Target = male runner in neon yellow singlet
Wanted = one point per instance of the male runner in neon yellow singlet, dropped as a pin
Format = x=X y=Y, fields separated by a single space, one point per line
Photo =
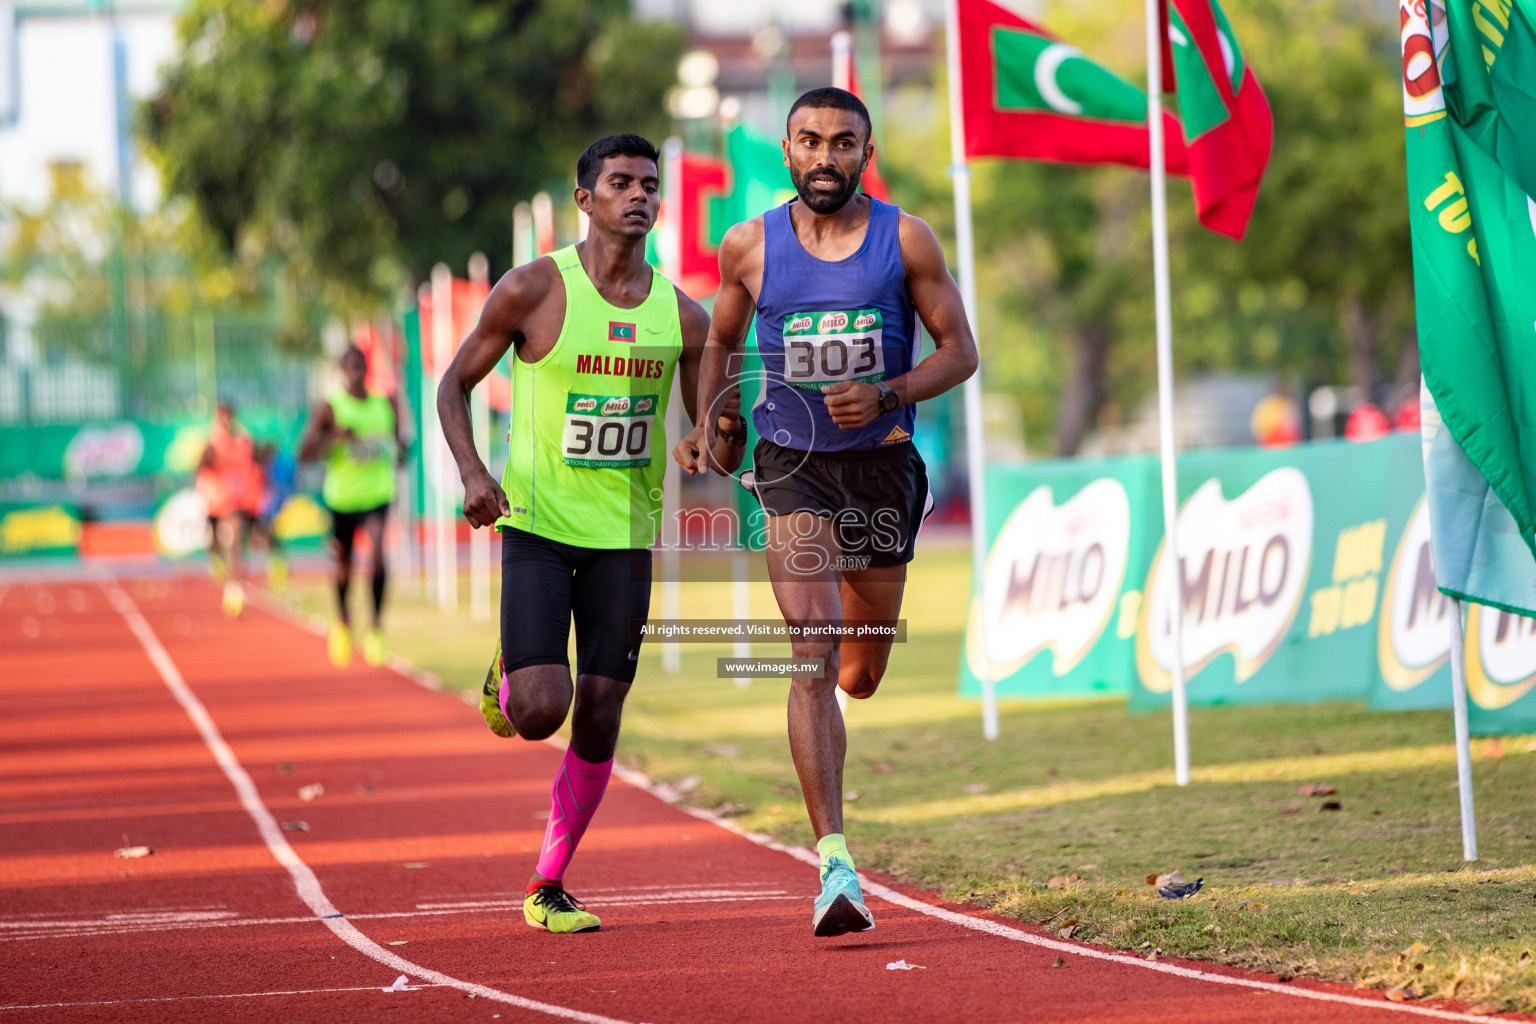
x=598 y=336
x=359 y=436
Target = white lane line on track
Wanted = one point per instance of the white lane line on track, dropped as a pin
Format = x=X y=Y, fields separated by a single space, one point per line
x=304 y=879
x=666 y=796
x=83 y=929
x=181 y=999
x=1003 y=931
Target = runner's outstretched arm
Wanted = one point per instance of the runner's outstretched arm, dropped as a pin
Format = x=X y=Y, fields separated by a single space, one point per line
x=734 y=306
x=516 y=295
x=938 y=305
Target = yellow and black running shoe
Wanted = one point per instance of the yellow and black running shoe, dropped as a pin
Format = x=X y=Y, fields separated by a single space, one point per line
x=552 y=908
x=490 y=698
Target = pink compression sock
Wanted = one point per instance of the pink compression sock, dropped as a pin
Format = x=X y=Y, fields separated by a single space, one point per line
x=579 y=787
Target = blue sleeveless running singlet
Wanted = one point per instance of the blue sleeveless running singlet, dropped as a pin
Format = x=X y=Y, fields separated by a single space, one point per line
x=819 y=322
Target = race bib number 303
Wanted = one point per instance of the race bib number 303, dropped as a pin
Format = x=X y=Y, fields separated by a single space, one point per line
x=825 y=347
x=608 y=431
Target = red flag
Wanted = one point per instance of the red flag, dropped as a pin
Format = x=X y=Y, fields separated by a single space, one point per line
x=1228 y=128
x=698 y=270
x=845 y=76
x=1029 y=96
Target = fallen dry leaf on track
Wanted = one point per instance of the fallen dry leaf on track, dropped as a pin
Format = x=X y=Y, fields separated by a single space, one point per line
x=309 y=792
x=1059 y=962
x=133 y=852
x=295 y=826
x=1399 y=995
x=1482 y=1009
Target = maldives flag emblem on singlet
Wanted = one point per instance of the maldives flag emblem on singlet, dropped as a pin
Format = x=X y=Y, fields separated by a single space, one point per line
x=620 y=332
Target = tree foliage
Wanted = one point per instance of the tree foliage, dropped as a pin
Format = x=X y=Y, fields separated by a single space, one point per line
x=362 y=141
x=1320 y=290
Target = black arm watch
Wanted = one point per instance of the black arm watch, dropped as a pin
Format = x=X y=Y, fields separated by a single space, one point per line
x=889 y=399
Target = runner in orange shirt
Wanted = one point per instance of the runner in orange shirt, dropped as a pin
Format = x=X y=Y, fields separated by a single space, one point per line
x=230 y=482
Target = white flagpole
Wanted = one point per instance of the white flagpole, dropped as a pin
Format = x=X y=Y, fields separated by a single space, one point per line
x=1463 y=735
x=444 y=528
x=522 y=235
x=671 y=490
x=480 y=421
x=974 y=436
x=426 y=462
x=1175 y=572
x=842 y=59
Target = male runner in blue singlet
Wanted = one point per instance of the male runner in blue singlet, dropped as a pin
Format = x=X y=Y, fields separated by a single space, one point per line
x=838 y=282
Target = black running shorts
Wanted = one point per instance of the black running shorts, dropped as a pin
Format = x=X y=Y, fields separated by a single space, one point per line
x=344 y=525
x=877 y=499
x=545 y=583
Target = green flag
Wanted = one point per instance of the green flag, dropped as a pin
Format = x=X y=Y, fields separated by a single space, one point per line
x=759 y=180
x=1470 y=123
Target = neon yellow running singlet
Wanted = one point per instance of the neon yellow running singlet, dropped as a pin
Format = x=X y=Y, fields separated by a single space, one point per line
x=360 y=474
x=587 y=447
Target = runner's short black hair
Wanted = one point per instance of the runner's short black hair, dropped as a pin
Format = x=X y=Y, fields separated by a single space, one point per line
x=835 y=99
x=612 y=145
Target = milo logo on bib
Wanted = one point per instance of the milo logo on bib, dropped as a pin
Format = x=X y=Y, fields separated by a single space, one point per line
x=608 y=431
x=825 y=346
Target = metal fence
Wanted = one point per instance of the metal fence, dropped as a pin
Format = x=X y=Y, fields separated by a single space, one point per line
x=167 y=366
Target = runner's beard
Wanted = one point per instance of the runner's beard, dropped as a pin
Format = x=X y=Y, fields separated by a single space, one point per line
x=825 y=202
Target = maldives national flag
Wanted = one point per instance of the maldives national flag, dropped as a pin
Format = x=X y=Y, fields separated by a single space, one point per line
x=1029 y=96
x=1228 y=129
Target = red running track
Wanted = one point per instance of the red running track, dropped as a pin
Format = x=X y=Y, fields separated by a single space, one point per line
x=423 y=838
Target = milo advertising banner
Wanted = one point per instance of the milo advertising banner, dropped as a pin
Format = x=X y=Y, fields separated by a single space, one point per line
x=1062 y=587
x=30 y=531
x=1279 y=555
x=1305 y=574
x=1413 y=641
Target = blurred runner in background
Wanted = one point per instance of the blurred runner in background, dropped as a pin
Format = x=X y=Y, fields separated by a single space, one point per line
x=359 y=437
x=224 y=481
x=276 y=483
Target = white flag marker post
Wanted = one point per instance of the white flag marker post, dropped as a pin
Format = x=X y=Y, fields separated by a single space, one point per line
x=480 y=421
x=1174 y=571
x=444 y=532
x=426 y=461
x=975 y=441
x=1463 y=735
x=671 y=248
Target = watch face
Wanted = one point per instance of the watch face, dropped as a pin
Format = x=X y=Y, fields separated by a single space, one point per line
x=889 y=400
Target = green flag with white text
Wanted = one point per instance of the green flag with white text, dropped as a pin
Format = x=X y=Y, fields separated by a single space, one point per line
x=1469 y=103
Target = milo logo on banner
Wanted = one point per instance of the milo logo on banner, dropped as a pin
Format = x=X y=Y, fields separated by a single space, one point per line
x=1243 y=573
x=1413 y=633
x=1501 y=656
x=823 y=347
x=1052 y=579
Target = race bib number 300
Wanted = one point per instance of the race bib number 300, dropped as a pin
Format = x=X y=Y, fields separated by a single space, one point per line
x=822 y=348
x=608 y=431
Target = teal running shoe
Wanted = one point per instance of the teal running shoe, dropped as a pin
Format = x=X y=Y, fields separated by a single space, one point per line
x=840 y=907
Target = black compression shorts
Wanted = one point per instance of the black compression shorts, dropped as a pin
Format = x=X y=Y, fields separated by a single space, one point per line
x=344 y=525
x=877 y=499
x=545 y=583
